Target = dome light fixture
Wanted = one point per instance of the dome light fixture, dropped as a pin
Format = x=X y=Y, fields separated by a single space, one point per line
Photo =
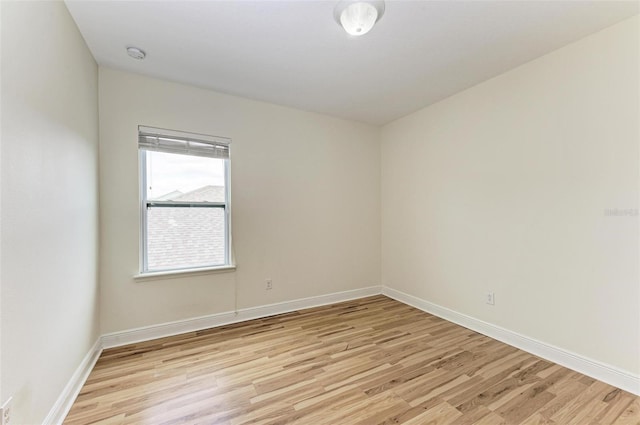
x=357 y=17
x=136 y=53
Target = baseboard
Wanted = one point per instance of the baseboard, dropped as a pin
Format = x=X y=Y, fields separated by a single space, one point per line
x=62 y=406
x=147 y=333
x=589 y=367
x=302 y=303
x=598 y=370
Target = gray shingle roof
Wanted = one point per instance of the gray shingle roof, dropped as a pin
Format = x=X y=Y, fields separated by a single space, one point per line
x=202 y=194
x=186 y=237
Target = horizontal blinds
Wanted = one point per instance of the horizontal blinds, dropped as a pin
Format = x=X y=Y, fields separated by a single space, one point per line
x=171 y=141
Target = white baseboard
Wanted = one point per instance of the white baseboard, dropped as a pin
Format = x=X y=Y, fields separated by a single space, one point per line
x=589 y=367
x=147 y=333
x=62 y=406
x=598 y=370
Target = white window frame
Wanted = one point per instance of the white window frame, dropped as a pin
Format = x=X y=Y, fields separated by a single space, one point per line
x=207 y=146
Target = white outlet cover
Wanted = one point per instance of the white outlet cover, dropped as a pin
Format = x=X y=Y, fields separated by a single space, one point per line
x=5 y=412
x=490 y=298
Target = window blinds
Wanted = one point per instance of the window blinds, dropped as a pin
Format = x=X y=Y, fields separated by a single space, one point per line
x=171 y=141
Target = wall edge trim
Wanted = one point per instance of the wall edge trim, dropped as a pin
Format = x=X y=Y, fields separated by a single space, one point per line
x=595 y=369
x=70 y=392
x=63 y=404
x=146 y=333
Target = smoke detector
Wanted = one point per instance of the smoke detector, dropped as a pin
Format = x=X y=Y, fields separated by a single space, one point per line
x=136 y=53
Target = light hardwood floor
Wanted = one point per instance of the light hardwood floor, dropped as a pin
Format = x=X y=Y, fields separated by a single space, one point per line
x=370 y=361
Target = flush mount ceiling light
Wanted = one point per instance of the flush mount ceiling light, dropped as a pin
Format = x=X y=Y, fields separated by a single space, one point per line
x=136 y=53
x=357 y=17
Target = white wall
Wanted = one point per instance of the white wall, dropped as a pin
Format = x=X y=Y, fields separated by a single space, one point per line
x=49 y=204
x=305 y=202
x=504 y=187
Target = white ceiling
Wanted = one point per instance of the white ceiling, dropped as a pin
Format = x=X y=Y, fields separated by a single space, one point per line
x=294 y=53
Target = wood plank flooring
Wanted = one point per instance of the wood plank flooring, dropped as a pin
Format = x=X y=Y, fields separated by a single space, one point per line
x=372 y=361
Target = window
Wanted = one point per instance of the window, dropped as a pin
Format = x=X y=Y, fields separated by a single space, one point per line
x=184 y=200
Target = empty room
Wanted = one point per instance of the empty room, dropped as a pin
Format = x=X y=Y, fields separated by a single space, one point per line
x=319 y=212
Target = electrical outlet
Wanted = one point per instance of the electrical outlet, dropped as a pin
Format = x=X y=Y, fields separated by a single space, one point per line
x=490 y=298
x=269 y=285
x=5 y=412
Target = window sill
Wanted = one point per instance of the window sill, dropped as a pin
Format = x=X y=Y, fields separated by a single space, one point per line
x=174 y=274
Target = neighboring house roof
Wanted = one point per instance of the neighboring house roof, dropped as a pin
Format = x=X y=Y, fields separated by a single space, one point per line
x=202 y=194
x=186 y=237
x=207 y=193
x=169 y=196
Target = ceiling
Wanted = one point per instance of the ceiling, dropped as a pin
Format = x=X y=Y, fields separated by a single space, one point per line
x=293 y=53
